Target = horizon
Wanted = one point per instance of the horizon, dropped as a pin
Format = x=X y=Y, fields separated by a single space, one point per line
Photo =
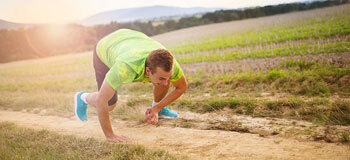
x=32 y=12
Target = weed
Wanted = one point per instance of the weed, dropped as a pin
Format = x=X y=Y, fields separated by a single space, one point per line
x=300 y=64
x=239 y=111
x=186 y=103
x=344 y=137
x=273 y=105
x=214 y=105
x=232 y=103
x=250 y=106
x=340 y=113
x=131 y=102
x=275 y=74
x=294 y=102
x=319 y=101
x=187 y=125
x=230 y=125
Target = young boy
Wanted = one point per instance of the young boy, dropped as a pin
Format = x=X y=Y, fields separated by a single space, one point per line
x=126 y=56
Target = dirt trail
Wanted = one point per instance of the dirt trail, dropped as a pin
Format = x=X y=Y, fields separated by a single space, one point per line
x=196 y=144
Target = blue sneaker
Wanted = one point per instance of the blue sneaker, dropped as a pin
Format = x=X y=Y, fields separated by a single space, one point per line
x=166 y=113
x=80 y=107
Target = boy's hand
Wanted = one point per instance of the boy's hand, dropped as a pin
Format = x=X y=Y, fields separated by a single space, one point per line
x=118 y=139
x=151 y=116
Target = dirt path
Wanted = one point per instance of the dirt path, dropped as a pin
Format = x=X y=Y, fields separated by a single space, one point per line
x=196 y=144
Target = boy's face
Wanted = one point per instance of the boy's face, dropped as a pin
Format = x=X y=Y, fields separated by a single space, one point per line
x=160 y=77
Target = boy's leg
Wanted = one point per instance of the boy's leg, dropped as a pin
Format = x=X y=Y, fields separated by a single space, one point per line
x=91 y=99
x=81 y=99
x=100 y=72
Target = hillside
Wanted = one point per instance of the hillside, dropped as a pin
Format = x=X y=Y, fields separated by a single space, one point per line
x=141 y=13
x=10 y=25
x=196 y=33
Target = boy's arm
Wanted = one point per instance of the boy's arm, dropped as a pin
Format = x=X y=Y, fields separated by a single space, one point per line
x=104 y=95
x=180 y=87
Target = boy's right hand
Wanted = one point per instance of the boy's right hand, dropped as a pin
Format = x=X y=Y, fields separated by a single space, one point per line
x=151 y=117
x=118 y=139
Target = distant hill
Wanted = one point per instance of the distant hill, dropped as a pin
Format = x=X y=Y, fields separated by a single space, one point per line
x=10 y=25
x=126 y=15
x=142 y=13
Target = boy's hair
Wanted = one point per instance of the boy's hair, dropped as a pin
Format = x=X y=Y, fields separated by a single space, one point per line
x=160 y=58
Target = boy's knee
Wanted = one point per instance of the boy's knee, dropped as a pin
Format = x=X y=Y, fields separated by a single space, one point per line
x=111 y=107
x=112 y=102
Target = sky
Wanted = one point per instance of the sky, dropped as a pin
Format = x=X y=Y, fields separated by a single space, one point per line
x=63 y=11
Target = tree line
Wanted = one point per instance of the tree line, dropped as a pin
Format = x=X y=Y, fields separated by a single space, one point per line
x=48 y=40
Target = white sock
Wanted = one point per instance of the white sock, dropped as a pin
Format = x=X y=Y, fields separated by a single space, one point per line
x=154 y=103
x=83 y=97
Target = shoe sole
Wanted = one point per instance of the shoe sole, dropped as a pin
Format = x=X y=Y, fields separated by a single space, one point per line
x=76 y=106
x=166 y=117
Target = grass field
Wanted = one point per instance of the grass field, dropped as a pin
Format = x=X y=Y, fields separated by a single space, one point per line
x=21 y=143
x=295 y=70
x=30 y=86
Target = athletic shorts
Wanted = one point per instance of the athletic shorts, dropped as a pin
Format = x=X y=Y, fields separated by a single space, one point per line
x=100 y=72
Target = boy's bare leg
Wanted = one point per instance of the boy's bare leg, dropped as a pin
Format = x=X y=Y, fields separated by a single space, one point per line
x=91 y=99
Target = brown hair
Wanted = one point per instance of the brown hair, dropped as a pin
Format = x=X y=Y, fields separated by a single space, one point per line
x=160 y=58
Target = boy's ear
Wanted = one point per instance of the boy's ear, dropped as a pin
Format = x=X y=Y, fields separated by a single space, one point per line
x=148 y=71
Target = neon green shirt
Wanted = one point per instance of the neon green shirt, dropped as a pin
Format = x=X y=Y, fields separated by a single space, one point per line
x=124 y=52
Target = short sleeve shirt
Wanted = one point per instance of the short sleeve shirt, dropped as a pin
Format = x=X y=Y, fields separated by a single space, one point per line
x=124 y=52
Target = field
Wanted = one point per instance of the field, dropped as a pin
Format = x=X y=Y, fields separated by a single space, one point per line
x=268 y=88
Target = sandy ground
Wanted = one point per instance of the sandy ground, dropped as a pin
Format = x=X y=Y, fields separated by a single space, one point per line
x=192 y=143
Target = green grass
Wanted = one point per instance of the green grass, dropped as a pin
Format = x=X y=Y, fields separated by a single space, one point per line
x=318 y=79
x=287 y=50
x=22 y=143
x=345 y=137
x=313 y=28
x=336 y=112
